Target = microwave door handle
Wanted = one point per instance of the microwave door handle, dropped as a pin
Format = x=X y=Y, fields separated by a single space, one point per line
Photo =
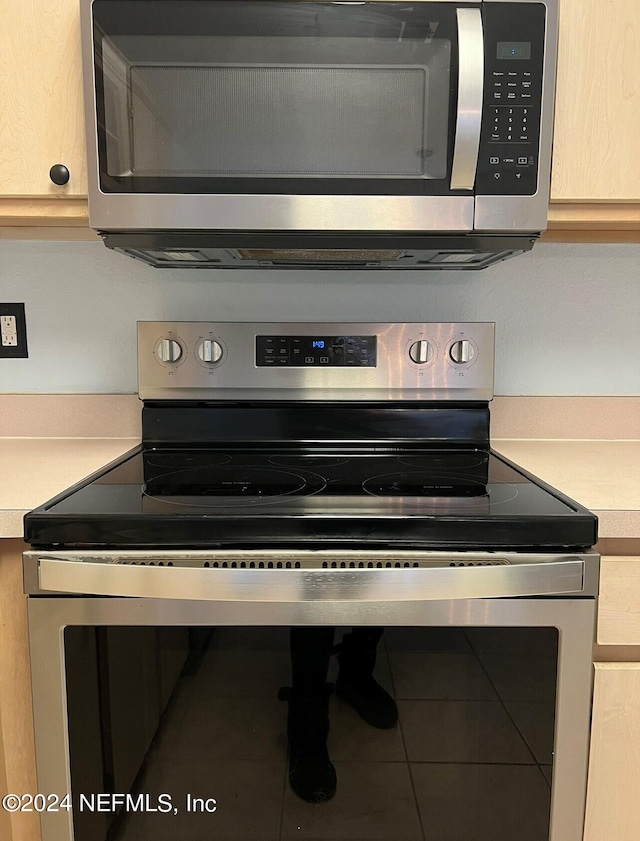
x=470 y=93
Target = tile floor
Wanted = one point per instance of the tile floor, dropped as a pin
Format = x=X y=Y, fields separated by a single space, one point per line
x=469 y=761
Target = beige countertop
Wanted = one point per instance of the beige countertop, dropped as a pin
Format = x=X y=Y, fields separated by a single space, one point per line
x=604 y=476
x=32 y=470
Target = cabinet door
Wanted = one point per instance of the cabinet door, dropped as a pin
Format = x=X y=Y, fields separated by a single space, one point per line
x=597 y=126
x=613 y=806
x=17 y=752
x=619 y=602
x=42 y=121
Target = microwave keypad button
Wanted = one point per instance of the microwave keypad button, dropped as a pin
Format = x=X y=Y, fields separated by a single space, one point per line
x=509 y=125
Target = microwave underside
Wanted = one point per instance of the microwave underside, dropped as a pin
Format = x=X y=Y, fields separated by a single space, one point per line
x=237 y=250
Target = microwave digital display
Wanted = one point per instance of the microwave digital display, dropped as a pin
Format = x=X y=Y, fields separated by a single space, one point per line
x=519 y=50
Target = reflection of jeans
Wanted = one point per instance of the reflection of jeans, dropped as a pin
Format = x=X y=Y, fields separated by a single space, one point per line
x=311 y=649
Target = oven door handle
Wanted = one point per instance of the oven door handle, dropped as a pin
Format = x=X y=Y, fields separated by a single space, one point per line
x=197 y=583
x=470 y=94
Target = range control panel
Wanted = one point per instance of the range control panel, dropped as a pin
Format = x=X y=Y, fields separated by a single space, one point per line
x=196 y=360
x=510 y=138
x=320 y=350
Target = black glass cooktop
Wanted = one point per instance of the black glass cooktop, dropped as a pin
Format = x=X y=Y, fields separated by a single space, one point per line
x=465 y=497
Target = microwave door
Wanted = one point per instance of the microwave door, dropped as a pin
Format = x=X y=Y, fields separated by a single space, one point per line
x=231 y=116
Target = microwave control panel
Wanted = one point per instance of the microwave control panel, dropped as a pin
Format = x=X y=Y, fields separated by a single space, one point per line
x=513 y=73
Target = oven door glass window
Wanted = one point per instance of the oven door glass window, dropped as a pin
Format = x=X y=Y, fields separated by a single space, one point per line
x=238 y=96
x=270 y=734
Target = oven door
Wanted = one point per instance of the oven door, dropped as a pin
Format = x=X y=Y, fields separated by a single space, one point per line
x=158 y=718
x=282 y=116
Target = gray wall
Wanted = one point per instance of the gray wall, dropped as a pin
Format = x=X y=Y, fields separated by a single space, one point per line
x=567 y=316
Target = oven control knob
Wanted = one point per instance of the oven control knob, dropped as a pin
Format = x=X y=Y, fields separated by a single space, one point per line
x=461 y=352
x=209 y=351
x=421 y=352
x=168 y=350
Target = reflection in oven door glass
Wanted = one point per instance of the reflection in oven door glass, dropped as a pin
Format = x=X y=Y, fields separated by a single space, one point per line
x=423 y=734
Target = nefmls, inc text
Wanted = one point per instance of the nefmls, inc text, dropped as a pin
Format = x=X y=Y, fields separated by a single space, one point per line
x=163 y=803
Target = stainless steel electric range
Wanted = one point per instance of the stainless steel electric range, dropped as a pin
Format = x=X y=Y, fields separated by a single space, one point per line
x=319 y=475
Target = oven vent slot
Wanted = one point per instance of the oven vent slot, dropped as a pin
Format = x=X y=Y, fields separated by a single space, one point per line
x=315 y=564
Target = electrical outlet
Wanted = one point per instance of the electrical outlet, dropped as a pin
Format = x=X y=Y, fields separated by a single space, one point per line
x=13 y=332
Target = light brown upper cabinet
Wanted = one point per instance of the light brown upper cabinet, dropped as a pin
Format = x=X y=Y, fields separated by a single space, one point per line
x=42 y=121
x=595 y=175
x=596 y=150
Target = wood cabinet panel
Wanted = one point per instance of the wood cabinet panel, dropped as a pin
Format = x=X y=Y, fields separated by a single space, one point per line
x=41 y=98
x=16 y=717
x=619 y=602
x=597 y=124
x=613 y=806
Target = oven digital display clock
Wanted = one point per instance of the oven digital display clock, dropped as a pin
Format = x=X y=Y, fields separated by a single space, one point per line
x=316 y=351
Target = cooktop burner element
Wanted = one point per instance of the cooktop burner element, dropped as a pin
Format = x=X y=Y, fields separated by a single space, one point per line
x=444 y=461
x=187 y=461
x=237 y=451
x=308 y=461
x=423 y=484
x=228 y=485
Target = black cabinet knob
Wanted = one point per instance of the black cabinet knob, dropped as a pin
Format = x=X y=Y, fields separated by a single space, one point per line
x=59 y=174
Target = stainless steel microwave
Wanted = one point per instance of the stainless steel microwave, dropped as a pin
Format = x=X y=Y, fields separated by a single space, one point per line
x=286 y=133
